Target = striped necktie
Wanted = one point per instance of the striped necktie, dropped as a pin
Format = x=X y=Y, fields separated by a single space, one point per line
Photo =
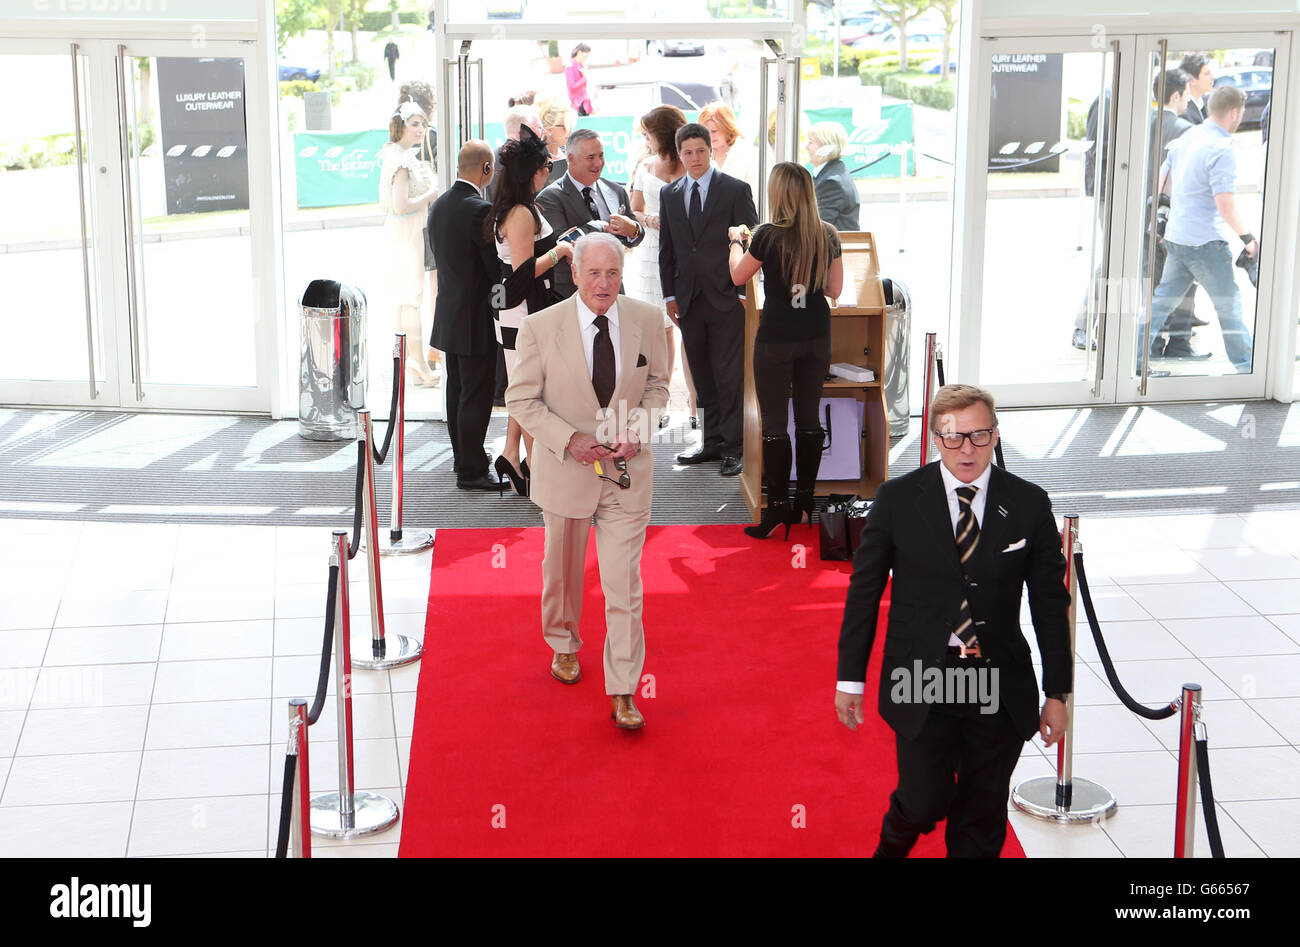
x=968 y=537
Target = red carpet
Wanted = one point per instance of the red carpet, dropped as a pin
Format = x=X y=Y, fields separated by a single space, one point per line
x=741 y=744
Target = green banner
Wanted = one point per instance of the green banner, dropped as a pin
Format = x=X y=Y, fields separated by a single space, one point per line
x=875 y=150
x=623 y=146
x=338 y=168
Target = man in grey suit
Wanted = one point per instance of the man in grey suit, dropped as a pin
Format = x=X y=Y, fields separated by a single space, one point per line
x=581 y=196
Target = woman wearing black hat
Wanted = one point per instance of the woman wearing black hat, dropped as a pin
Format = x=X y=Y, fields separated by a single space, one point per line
x=528 y=250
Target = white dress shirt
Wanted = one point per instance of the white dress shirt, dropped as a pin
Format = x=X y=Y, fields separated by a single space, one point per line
x=587 y=323
x=950 y=485
x=597 y=193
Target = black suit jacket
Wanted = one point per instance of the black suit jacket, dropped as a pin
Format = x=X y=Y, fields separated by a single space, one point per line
x=462 y=314
x=563 y=206
x=837 y=197
x=909 y=531
x=693 y=261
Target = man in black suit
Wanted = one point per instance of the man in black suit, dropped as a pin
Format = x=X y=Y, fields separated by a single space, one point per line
x=695 y=212
x=462 y=316
x=581 y=196
x=961 y=537
x=1201 y=81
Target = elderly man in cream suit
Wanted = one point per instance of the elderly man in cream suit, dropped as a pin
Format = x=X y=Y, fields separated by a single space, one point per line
x=591 y=373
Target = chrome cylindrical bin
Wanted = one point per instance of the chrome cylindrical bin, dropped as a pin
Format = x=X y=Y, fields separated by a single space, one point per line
x=332 y=367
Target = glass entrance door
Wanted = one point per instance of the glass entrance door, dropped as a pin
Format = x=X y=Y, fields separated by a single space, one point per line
x=130 y=258
x=1201 y=329
x=1073 y=253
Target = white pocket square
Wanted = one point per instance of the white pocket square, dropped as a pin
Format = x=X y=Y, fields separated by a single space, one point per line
x=1018 y=544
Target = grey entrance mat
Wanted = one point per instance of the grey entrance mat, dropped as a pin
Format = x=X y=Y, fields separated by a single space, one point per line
x=94 y=465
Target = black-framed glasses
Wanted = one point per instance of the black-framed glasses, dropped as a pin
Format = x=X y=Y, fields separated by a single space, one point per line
x=954 y=439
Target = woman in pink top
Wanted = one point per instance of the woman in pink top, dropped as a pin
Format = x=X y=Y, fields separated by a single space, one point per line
x=575 y=77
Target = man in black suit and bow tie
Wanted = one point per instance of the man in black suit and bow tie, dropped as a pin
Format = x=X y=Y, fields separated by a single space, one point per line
x=462 y=315
x=581 y=196
x=962 y=538
x=695 y=212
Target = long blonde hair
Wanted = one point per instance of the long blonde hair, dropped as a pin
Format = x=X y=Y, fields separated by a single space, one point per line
x=794 y=210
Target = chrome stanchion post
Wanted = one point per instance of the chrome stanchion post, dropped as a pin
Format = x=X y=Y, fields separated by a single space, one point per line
x=1185 y=818
x=412 y=540
x=380 y=652
x=930 y=343
x=1064 y=798
x=347 y=813
x=299 y=820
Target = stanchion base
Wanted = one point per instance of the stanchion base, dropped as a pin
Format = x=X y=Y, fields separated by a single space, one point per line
x=413 y=541
x=398 y=650
x=1089 y=801
x=371 y=813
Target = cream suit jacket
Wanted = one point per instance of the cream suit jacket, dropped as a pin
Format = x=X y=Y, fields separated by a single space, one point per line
x=551 y=397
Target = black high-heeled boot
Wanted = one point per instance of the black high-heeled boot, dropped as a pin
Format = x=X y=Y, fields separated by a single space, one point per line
x=808 y=446
x=776 y=481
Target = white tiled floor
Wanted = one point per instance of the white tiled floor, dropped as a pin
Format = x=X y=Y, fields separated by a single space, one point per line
x=144 y=671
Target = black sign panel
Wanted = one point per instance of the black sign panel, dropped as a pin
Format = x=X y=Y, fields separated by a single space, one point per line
x=204 y=135
x=1025 y=112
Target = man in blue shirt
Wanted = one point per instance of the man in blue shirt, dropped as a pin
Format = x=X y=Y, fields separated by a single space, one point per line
x=1200 y=176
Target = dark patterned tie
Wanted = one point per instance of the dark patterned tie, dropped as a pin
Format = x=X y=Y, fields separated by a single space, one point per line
x=602 y=362
x=591 y=203
x=968 y=536
x=696 y=209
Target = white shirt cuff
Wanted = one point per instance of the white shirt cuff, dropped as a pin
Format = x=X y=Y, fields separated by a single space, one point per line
x=850 y=687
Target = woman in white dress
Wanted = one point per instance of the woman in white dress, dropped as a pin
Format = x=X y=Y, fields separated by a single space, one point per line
x=658 y=168
x=527 y=248
x=406 y=190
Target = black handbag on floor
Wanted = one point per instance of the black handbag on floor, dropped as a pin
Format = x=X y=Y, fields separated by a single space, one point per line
x=834 y=528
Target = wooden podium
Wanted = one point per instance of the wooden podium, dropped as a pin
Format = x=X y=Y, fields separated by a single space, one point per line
x=858 y=337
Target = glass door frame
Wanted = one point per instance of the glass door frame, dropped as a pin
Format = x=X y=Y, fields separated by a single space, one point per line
x=453 y=81
x=1209 y=387
x=969 y=304
x=1117 y=327
x=101 y=119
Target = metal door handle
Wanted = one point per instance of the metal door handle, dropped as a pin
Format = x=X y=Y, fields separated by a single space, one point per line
x=132 y=301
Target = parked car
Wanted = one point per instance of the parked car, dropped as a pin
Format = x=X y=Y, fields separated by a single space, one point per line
x=1256 y=82
x=935 y=66
x=676 y=47
x=289 y=73
x=888 y=39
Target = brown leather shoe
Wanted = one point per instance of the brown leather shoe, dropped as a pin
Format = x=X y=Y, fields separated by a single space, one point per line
x=625 y=713
x=564 y=668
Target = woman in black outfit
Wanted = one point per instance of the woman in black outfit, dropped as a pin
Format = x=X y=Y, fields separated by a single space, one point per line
x=800 y=258
x=527 y=250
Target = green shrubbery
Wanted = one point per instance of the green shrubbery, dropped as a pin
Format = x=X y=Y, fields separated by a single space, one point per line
x=361 y=73
x=1076 y=120
x=376 y=21
x=49 y=151
x=922 y=88
x=299 y=87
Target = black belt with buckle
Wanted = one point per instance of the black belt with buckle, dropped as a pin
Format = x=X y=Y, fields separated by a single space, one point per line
x=961 y=651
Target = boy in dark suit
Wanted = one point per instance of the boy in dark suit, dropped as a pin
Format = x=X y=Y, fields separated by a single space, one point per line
x=961 y=538
x=695 y=212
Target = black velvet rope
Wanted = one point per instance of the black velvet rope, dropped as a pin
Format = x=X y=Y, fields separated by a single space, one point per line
x=286 y=805
x=355 y=544
x=327 y=648
x=382 y=454
x=1142 y=711
x=1207 y=798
